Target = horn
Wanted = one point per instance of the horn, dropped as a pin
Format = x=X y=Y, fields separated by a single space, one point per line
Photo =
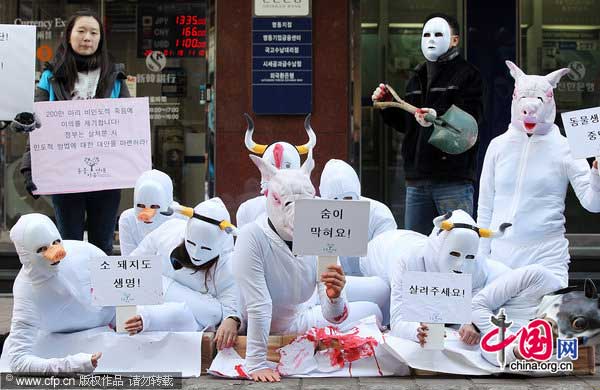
x=228 y=227
x=312 y=138
x=438 y=221
x=495 y=234
x=250 y=144
x=590 y=289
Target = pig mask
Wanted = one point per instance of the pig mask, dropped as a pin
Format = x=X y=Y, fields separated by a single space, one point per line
x=533 y=107
x=284 y=188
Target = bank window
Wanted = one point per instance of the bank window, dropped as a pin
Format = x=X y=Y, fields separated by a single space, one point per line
x=565 y=34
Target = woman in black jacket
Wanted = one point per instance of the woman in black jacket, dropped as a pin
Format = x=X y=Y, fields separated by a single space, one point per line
x=81 y=69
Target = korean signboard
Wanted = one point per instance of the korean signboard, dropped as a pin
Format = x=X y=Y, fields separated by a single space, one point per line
x=331 y=227
x=126 y=281
x=436 y=297
x=281 y=62
x=583 y=132
x=90 y=145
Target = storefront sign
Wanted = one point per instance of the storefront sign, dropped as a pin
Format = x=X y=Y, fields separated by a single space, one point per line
x=281 y=7
x=282 y=65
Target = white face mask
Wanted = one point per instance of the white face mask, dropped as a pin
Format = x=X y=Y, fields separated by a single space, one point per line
x=459 y=250
x=435 y=40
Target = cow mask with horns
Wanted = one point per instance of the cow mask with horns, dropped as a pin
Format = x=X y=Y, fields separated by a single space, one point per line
x=281 y=155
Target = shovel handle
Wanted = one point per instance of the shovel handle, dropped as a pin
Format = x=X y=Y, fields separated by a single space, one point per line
x=399 y=103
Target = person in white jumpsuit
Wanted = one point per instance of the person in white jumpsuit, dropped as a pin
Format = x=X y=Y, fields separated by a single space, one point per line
x=339 y=181
x=281 y=155
x=524 y=181
x=519 y=293
x=196 y=264
x=152 y=196
x=274 y=284
x=52 y=294
x=451 y=247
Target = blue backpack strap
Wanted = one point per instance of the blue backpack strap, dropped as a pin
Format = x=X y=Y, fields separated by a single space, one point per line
x=44 y=84
x=116 y=91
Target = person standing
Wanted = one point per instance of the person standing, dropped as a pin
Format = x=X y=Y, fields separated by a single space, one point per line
x=436 y=182
x=81 y=69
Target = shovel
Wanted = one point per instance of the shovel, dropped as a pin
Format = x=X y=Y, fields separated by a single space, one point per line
x=455 y=132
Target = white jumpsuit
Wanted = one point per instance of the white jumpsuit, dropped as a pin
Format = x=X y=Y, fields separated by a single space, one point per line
x=519 y=292
x=58 y=298
x=275 y=286
x=132 y=231
x=211 y=296
x=524 y=181
x=405 y=250
x=250 y=210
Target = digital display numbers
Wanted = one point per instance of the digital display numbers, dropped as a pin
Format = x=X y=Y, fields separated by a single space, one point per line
x=176 y=30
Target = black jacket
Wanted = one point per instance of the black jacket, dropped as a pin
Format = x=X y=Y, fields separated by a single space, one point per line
x=456 y=82
x=117 y=74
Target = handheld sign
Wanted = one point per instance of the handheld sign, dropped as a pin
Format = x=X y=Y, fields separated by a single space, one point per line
x=90 y=145
x=126 y=281
x=17 y=69
x=583 y=132
x=330 y=228
x=436 y=298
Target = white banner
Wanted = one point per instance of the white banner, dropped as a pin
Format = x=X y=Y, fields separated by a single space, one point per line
x=583 y=132
x=331 y=227
x=17 y=69
x=90 y=145
x=436 y=297
x=126 y=280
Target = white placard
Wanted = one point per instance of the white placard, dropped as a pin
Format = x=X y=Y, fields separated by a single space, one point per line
x=281 y=7
x=17 y=69
x=583 y=131
x=90 y=145
x=126 y=280
x=331 y=227
x=436 y=297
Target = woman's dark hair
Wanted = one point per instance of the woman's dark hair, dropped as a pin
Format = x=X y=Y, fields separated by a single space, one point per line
x=181 y=256
x=66 y=60
x=451 y=21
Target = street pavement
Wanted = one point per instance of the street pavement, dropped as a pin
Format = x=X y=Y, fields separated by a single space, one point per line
x=442 y=382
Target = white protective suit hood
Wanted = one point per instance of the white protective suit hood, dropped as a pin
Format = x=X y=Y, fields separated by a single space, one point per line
x=204 y=238
x=533 y=108
x=435 y=39
x=31 y=233
x=285 y=187
x=453 y=244
x=152 y=196
x=339 y=180
x=281 y=155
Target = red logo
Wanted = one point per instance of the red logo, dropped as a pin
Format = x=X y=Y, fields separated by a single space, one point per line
x=535 y=340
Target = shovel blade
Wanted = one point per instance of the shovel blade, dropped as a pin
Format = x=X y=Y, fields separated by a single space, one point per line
x=455 y=132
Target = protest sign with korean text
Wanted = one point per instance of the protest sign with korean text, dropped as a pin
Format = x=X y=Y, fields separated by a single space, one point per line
x=90 y=145
x=126 y=280
x=17 y=69
x=436 y=297
x=331 y=227
x=583 y=132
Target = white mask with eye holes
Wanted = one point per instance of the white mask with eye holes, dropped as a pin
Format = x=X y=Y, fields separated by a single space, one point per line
x=435 y=40
x=459 y=251
x=153 y=191
x=37 y=241
x=205 y=240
